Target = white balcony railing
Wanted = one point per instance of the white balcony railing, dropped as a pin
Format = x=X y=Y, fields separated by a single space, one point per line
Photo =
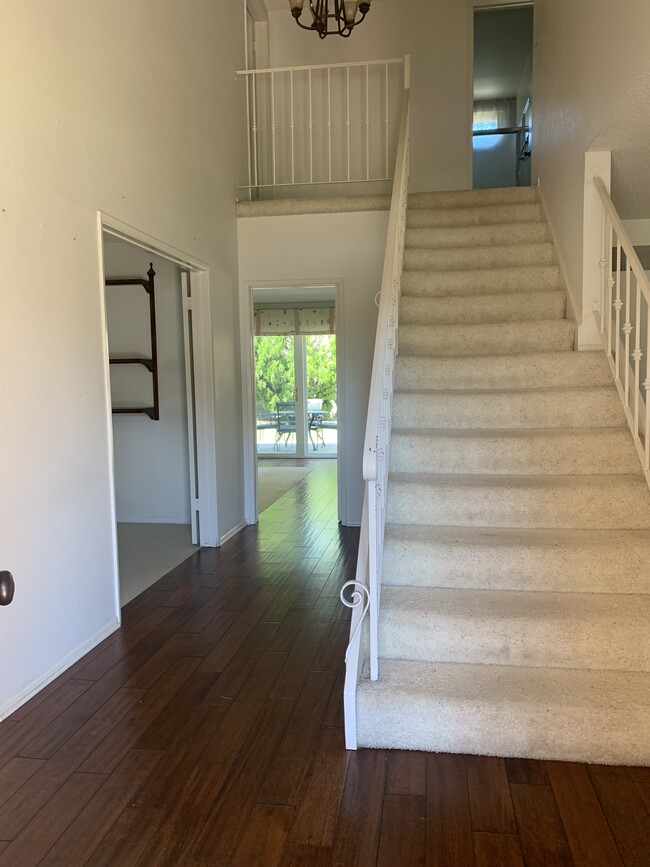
x=363 y=594
x=323 y=124
x=625 y=322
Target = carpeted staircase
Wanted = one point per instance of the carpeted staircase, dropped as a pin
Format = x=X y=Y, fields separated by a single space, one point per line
x=514 y=605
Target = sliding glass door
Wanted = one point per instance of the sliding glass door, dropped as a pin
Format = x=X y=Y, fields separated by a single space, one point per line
x=295 y=379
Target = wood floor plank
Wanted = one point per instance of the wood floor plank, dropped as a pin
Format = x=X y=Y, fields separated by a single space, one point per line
x=236 y=673
x=490 y=803
x=86 y=832
x=296 y=751
x=407 y=773
x=15 y=736
x=541 y=832
x=403 y=838
x=625 y=811
x=356 y=838
x=23 y=806
x=110 y=752
x=644 y=790
x=317 y=813
x=264 y=836
x=588 y=833
x=34 y=842
x=14 y=774
x=497 y=850
x=639 y=775
x=228 y=818
x=449 y=829
x=298 y=855
x=528 y=771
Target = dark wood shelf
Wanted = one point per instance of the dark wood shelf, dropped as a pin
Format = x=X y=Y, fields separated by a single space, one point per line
x=150 y=363
x=147 y=362
x=136 y=410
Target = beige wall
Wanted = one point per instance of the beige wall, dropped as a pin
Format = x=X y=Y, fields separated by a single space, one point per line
x=588 y=54
x=436 y=34
x=130 y=108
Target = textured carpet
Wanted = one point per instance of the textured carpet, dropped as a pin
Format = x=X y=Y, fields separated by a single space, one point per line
x=149 y=551
x=273 y=482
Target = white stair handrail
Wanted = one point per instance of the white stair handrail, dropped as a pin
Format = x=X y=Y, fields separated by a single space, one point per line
x=624 y=315
x=367 y=584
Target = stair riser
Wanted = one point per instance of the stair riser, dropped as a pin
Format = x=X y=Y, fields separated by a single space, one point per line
x=483 y=309
x=580 y=454
x=425 y=218
x=473 y=198
x=539 y=640
x=597 y=407
x=561 y=731
x=475 y=258
x=494 y=339
x=579 y=506
x=486 y=282
x=476 y=236
x=560 y=567
x=547 y=370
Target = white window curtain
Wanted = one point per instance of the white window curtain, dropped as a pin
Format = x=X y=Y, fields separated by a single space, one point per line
x=492 y=114
x=294 y=320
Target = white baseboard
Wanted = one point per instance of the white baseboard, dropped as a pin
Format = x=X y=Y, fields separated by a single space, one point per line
x=74 y=656
x=182 y=519
x=225 y=538
x=573 y=311
x=351 y=523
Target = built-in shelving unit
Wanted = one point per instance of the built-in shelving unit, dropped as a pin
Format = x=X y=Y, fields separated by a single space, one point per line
x=151 y=363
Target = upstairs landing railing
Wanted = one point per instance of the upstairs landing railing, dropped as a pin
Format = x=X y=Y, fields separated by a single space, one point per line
x=363 y=594
x=322 y=124
x=625 y=322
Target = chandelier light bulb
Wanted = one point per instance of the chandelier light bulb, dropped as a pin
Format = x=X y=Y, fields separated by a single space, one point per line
x=331 y=16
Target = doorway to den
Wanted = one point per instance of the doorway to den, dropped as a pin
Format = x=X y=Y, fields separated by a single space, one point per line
x=502 y=92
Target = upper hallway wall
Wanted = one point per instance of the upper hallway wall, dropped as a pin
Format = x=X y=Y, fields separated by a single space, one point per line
x=588 y=54
x=130 y=108
x=436 y=35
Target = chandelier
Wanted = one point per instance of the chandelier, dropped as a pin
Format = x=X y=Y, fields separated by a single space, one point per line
x=343 y=17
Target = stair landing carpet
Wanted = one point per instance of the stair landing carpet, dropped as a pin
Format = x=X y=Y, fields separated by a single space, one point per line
x=516 y=577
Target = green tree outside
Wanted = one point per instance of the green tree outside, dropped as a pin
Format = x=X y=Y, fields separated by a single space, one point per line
x=274 y=369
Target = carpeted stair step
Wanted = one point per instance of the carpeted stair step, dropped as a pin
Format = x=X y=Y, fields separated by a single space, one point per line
x=558 y=451
x=472 y=258
x=532 y=370
x=491 y=281
x=490 y=410
x=473 y=198
x=492 y=627
x=477 y=236
x=496 y=338
x=578 y=502
x=539 y=713
x=473 y=215
x=565 y=561
x=482 y=308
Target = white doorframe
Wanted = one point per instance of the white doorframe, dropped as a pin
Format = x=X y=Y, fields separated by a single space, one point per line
x=248 y=387
x=199 y=281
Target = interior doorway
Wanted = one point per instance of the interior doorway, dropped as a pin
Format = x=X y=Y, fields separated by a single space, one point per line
x=156 y=355
x=502 y=95
x=294 y=385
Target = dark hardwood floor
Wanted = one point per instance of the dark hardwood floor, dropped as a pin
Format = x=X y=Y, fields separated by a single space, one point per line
x=208 y=730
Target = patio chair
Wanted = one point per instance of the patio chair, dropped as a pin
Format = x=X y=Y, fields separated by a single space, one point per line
x=285 y=421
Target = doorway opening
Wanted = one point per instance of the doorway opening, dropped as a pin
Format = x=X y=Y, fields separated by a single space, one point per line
x=164 y=479
x=502 y=95
x=294 y=367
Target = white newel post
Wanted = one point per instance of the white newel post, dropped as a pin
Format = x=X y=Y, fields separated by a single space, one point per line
x=597 y=164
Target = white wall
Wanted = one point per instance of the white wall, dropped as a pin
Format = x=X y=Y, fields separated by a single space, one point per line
x=152 y=475
x=436 y=34
x=329 y=248
x=131 y=108
x=587 y=55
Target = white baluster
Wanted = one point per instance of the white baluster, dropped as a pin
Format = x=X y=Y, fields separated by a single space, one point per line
x=618 y=303
x=367 y=123
x=637 y=355
x=273 y=143
x=627 y=330
x=311 y=132
x=292 y=125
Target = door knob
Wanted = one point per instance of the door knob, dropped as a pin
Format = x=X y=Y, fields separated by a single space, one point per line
x=7 y=587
